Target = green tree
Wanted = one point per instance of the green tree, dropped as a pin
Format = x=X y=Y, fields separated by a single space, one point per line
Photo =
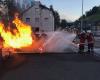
x=82 y=17
x=63 y=23
x=11 y=8
x=88 y=13
x=56 y=17
x=8 y=17
x=95 y=10
x=57 y=20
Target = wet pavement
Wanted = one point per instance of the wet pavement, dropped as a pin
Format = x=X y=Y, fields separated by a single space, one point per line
x=54 y=66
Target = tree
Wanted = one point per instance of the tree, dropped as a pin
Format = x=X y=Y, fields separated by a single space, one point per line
x=77 y=24
x=88 y=13
x=63 y=23
x=56 y=17
x=56 y=20
x=92 y=11
x=82 y=17
x=95 y=10
x=51 y=8
x=18 y=6
x=32 y=2
x=11 y=8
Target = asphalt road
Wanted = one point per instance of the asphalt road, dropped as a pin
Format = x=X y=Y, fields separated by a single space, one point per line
x=51 y=67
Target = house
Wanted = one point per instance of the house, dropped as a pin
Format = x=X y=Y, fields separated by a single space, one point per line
x=39 y=17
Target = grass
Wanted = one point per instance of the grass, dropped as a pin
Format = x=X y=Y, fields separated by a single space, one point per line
x=93 y=18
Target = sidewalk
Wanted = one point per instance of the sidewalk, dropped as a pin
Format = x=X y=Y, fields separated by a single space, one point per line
x=97 y=42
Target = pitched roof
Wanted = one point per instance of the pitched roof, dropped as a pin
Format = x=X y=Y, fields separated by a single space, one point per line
x=43 y=7
x=26 y=10
x=40 y=5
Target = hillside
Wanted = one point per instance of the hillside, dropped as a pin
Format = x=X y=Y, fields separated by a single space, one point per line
x=92 y=15
x=93 y=18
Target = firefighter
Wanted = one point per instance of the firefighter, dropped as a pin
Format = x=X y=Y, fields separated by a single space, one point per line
x=43 y=35
x=82 y=37
x=90 y=41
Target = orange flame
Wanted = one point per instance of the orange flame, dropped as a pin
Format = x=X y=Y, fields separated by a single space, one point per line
x=22 y=36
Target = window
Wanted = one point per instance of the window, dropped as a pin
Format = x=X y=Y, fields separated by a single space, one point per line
x=37 y=9
x=37 y=29
x=27 y=19
x=46 y=19
x=37 y=19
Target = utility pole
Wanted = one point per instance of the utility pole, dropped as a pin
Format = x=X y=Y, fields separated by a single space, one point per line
x=82 y=16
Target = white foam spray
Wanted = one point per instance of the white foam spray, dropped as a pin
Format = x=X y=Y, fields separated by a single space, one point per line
x=60 y=41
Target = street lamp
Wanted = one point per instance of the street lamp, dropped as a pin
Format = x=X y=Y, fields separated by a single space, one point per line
x=82 y=16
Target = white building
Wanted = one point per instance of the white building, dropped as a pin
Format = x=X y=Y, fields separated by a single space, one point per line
x=39 y=17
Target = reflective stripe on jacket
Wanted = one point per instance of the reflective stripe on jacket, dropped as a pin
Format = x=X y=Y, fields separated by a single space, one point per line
x=90 y=38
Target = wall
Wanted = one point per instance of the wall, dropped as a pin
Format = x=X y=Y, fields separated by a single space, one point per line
x=42 y=18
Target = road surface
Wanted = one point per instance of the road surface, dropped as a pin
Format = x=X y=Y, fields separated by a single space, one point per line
x=52 y=67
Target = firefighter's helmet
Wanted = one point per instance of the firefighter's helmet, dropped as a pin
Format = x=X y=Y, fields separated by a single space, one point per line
x=82 y=32
x=89 y=31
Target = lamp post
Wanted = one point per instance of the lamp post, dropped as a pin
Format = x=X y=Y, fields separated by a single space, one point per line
x=82 y=16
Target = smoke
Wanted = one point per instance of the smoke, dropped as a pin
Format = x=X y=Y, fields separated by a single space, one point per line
x=24 y=3
x=60 y=41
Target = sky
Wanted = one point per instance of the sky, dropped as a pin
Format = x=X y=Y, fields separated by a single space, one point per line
x=70 y=9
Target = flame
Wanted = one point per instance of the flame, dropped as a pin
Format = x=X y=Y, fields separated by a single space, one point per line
x=16 y=38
